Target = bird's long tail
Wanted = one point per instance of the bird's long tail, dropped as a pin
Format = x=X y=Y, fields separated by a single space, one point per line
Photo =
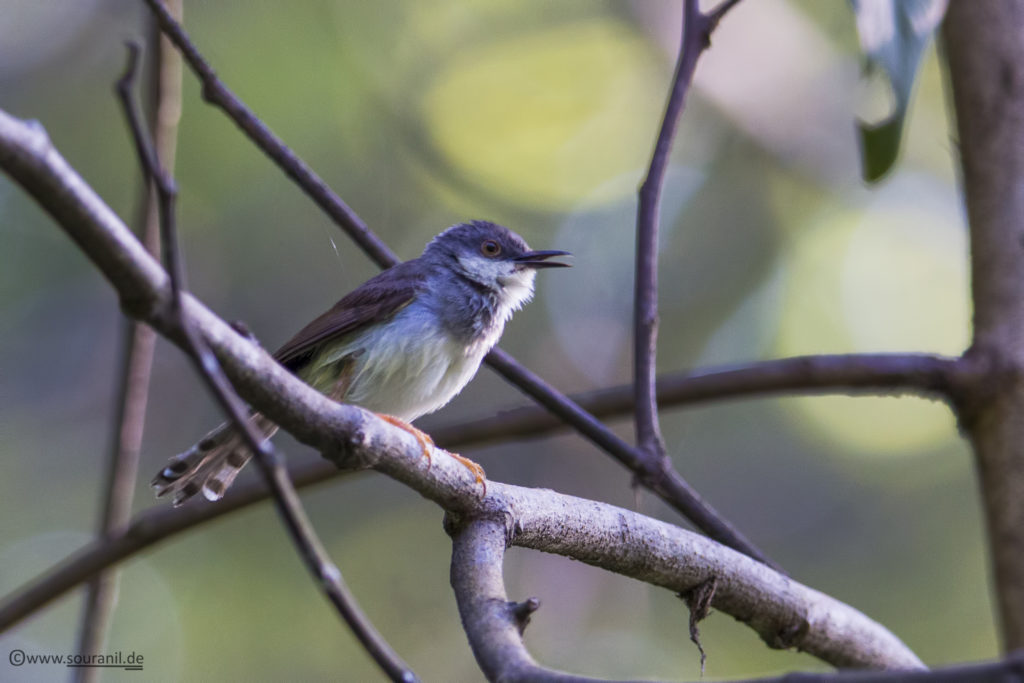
x=211 y=465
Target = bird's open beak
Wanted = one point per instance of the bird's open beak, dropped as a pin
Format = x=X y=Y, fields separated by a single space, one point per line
x=539 y=259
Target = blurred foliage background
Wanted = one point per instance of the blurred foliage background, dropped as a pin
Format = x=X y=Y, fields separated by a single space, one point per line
x=540 y=116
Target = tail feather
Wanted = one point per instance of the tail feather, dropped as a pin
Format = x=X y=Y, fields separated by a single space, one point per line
x=211 y=465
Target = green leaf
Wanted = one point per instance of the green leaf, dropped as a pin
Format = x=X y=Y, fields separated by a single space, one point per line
x=893 y=35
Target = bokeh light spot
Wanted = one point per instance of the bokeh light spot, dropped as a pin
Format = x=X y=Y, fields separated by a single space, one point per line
x=543 y=119
x=889 y=277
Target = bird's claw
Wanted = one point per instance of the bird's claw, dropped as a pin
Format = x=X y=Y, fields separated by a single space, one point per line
x=422 y=438
x=475 y=468
x=426 y=443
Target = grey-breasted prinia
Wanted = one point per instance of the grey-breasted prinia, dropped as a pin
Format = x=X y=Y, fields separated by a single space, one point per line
x=402 y=344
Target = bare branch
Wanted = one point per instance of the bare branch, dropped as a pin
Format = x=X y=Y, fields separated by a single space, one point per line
x=139 y=345
x=662 y=480
x=885 y=374
x=651 y=463
x=715 y=15
x=645 y=302
x=985 y=56
x=877 y=374
x=599 y=534
x=784 y=613
x=267 y=458
x=493 y=627
x=695 y=37
x=600 y=523
x=653 y=551
x=489 y=619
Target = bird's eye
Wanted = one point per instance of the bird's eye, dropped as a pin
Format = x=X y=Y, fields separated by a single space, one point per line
x=490 y=248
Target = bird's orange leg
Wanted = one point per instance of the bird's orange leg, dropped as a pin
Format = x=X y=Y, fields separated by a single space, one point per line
x=422 y=438
x=474 y=467
x=425 y=442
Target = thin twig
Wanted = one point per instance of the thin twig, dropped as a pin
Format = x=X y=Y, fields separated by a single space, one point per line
x=269 y=461
x=882 y=374
x=645 y=289
x=139 y=345
x=694 y=39
x=663 y=481
x=715 y=15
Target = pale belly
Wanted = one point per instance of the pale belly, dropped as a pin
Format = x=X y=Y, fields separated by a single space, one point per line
x=407 y=369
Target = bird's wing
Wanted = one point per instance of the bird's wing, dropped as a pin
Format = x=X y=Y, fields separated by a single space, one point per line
x=376 y=300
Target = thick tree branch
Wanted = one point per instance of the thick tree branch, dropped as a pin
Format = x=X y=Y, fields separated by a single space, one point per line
x=790 y=615
x=602 y=535
x=139 y=345
x=488 y=617
x=353 y=438
x=784 y=613
x=160 y=524
x=856 y=374
x=661 y=478
x=875 y=374
x=986 y=70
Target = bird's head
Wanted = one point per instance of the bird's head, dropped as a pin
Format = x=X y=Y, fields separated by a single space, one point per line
x=492 y=256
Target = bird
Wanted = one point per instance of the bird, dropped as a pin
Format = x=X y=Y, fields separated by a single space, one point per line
x=403 y=344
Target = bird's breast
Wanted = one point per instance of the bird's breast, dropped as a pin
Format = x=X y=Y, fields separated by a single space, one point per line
x=409 y=366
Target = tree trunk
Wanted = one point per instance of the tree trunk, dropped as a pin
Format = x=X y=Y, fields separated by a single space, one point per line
x=985 y=46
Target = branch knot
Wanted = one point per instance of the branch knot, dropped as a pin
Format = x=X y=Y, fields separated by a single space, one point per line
x=521 y=612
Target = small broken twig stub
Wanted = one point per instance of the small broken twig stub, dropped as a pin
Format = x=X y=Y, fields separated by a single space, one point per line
x=698 y=601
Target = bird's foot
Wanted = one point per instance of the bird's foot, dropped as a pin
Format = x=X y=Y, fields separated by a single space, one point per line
x=426 y=443
x=422 y=438
x=475 y=468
